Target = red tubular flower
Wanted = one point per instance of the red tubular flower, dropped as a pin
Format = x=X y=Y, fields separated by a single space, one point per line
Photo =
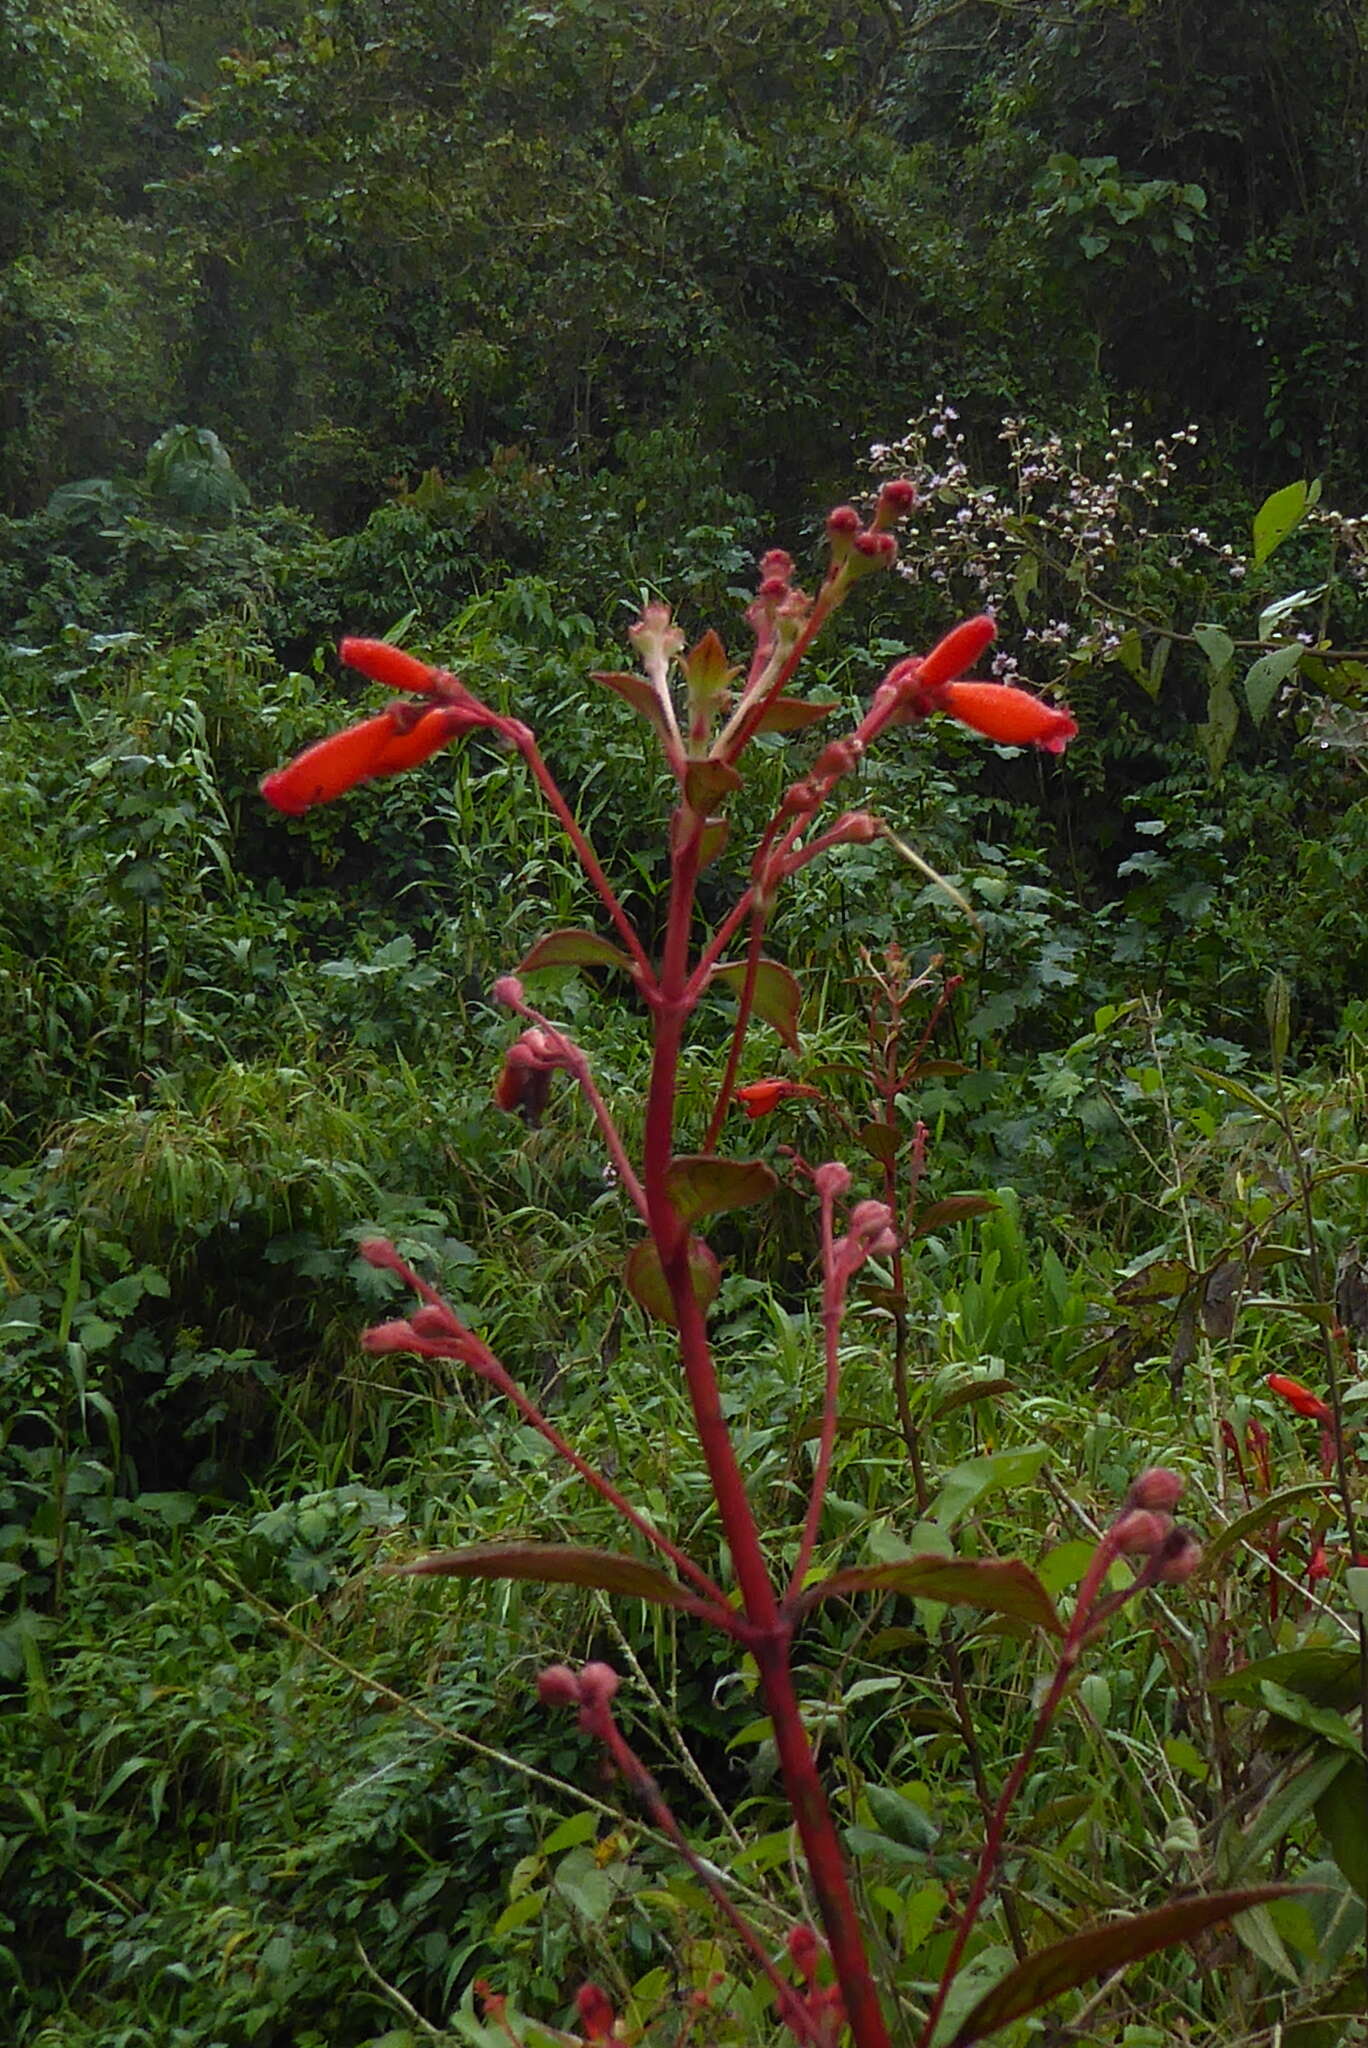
x=330 y=767
x=389 y=665
x=1299 y=1398
x=959 y=650
x=1014 y=718
x=384 y=745
x=758 y=1098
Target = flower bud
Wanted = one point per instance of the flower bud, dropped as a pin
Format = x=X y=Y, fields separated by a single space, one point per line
x=557 y=1686
x=396 y=1336
x=1157 y=1488
x=597 y=1685
x=596 y=2014
x=832 y=1179
x=508 y=990
x=1179 y=1557
x=843 y=523
x=897 y=497
x=804 y=1950
x=1139 y=1533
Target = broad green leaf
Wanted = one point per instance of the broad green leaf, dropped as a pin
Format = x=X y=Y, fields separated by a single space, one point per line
x=649 y=1289
x=1325 y=1676
x=1215 y=736
x=902 y=1818
x=1264 y=678
x=984 y=1389
x=1161 y=1280
x=1245 y=1525
x=550 y=1564
x=572 y=949
x=777 y=997
x=1356 y=1586
x=1100 y=1950
x=1276 y=518
x=701 y=1184
x=1295 y=1796
x=580 y=1827
x=1344 y=1823
x=994 y=1585
x=965 y=1484
x=1218 y=647
x=1322 y=1721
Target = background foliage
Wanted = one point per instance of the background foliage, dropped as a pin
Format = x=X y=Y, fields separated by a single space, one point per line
x=470 y=323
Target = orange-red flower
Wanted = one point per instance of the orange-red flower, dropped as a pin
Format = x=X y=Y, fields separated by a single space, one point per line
x=1014 y=718
x=385 y=663
x=1299 y=1398
x=758 y=1098
x=383 y=745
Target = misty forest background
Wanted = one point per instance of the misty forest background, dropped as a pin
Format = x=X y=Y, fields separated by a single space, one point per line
x=469 y=324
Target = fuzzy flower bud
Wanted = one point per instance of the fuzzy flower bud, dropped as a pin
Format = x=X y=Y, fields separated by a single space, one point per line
x=843 y=522
x=1157 y=1487
x=508 y=990
x=1140 y=1533
x=597 y=1685
x=596 y=2014
x=1179 y=1557
x=804 y=1950
x=557 y=1686
x=833 y=1179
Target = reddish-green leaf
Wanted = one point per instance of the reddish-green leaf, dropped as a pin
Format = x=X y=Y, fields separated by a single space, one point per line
x=648 y=1287
x=880 y=1141
x=1099 y=1950
x=701 y=1184
x=952 y=1210
x=1161 y=1280
x=709 y=783
x=791 y=714
x=550 y=1564
x=572 y=949
x=707 y=672
x=973 y=1390
x=777 y=998
x=636 y=691
x=996 y=1585
x=934 y=1070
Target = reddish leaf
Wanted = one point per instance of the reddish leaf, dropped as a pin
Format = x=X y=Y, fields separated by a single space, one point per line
x=997 y=1585
x=714 y=837
x=572 y=949
x=707 y=784
x=648 y=1287
x=777 y=997
x=927 y=1070
x=792 y=714
x=701 y=1184
x=1159 y=1281
x=550 y=1564
x=880 y=1141
x=707 y=671
x=1099 y=1950
x=952 y=1210
x=636 y=691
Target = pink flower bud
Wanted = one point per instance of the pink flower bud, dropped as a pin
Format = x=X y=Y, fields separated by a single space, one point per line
x=832 y=1179
x=1179 y=1558
x=397 y=1336
x=378 y=1251
x=1157 y=1487
x=597 y=1685
x=508 y=990
x=429 y=1321
x=558 y=1686
x=843 y=523
x=1140 y=1532
x=776 y=563
x=773 y=587
x=898 y=496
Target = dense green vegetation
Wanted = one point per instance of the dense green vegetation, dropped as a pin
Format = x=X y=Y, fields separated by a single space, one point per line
x=467 y=325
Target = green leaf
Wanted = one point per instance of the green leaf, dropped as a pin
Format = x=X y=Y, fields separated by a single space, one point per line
x=1276 y=518
x=1244 y=1526
x=1356 y=1586
x=1266 y=676
x=994 y=1585
x=1344 y=1823
x=1223 y=717
x=1325 y=1676
x=965 y=1484
x=550 y=1564
x=1098 y=1951
x=1237 y=1090
x=1322 y=1721
x=902 y=1818
x=1218 y=647
x=572 y=949
x=649 y=1289
x=700 y=1184
x=777 y=998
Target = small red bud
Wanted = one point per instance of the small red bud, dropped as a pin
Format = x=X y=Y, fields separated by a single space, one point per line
x=776 y=563
x=899 y=496
x=804 y=1951
x=508 y=990
x=558 y=1686
x=1157 y=1487
x=1140 y=1532
x=832 y=1179
x=597 y=1684
x=1180 y=1556
x=843 y=523
x=595 y=2011
x=774 y=587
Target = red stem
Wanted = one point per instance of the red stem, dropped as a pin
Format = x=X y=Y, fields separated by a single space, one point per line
x=833 y=1309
